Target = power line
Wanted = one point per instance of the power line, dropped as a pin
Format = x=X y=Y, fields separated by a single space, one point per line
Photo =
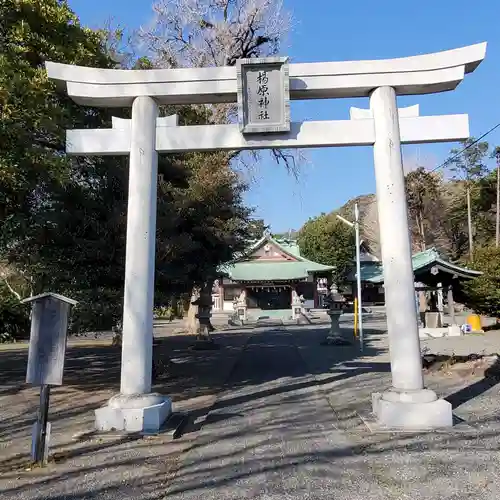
x=456 y=155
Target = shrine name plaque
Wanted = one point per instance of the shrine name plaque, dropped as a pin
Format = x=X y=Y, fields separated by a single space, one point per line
x=263 y=95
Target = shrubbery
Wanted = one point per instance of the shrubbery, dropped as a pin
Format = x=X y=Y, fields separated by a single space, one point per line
x=174 y=309
x=97 y=310
x=14 y=317
x=482 y=294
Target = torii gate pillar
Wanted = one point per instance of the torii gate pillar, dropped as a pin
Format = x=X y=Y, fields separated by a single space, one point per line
x=407 y=404
x=136 y=408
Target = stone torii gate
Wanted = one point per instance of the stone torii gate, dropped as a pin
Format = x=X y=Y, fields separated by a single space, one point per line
x=407 y=404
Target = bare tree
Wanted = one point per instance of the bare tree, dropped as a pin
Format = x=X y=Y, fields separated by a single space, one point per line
x=208 y=33
x=203 y=33
x=6 y=274
x=212 y=33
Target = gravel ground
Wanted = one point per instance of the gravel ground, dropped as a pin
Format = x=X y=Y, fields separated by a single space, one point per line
x=486 y=343
x=109 y=467
x=288 y=427
x=285 y=425
x=456 y=464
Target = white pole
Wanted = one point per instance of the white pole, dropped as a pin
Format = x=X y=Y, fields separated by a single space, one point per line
x=137 y=338
x=358 y=276
x=402 y=325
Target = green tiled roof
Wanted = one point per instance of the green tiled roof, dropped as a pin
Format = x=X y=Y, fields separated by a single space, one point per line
x=368 y=272
x=425 y=259
x=291 y=247
x=265 y=270
x=273 y=271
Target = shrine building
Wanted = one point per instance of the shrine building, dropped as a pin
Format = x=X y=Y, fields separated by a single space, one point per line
x=431 y=271
x=269 y=272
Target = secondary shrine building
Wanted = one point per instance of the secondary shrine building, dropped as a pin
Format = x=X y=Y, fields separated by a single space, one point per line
x=270 y=271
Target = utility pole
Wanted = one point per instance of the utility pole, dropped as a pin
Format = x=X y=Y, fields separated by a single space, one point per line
x=355 y=225
x=469 y=209
x=469 y=222
x=497 y=234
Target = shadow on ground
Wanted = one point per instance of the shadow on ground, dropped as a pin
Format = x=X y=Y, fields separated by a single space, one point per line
x=92 y=376
x=284 y=425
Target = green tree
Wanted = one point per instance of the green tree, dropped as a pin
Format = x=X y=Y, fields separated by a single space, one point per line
x=422 y=194
x=63 y=220
x=327 y=240
x=54 y=210
x=468 y=164
x=201 y=224
x=454 y=221
x=483 y=293
x=257 y=228
x=484 y=199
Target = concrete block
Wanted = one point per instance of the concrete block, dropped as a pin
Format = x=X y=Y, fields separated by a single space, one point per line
x=375 y=400
x=433 y=320
x=413 y=416
x=148 y=419
x=374 y=426
x=454 y=331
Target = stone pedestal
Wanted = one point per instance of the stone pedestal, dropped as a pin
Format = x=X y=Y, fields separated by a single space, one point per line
x=433 y=320
x=241 y=312
x=203 y=339
x=134 y=413
x=454 y=331
x=411 y=410
x=334 y=336
x=297 y=308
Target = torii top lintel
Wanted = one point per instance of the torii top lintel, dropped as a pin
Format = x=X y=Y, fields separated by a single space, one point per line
x=422 y=74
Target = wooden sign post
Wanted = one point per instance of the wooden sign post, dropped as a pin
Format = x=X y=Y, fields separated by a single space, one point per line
x=47 y=350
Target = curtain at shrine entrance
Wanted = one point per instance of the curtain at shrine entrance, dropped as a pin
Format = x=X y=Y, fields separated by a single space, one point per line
x=269 y=298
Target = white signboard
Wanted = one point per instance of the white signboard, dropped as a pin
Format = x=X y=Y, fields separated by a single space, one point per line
x=263 y=95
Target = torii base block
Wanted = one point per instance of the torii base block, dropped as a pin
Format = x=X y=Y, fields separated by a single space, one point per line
x=411 y=411
x=137 y=413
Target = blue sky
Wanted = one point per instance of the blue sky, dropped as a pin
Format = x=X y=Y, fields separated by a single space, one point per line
x=329 y=30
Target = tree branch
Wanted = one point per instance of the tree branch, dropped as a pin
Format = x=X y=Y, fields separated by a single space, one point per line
x=18 y=297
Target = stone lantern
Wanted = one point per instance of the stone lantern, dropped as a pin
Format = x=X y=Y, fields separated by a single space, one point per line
x=297 y=306
x=204 y=303
x=240 y=307
x=335 y=304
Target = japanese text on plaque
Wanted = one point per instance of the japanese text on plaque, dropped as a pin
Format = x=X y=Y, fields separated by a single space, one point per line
x=263 y=95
